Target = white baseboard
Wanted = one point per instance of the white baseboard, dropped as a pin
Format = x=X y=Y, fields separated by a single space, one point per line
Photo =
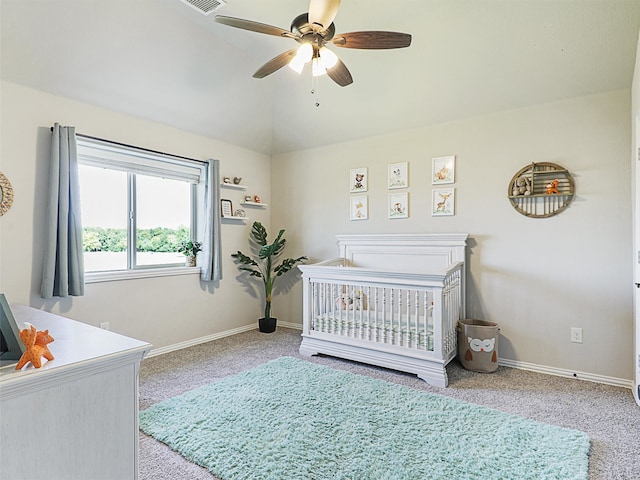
x=590 y=377
x=197 y=341
x=208 y=338
x=295 y=326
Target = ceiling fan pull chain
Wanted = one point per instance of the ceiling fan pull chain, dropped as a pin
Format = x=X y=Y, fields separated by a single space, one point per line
x=314 y=90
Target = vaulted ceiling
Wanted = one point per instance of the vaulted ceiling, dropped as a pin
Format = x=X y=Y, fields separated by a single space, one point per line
x=164 y=61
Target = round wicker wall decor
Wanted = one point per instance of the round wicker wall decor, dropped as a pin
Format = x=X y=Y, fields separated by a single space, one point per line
x=541 y=190
x=6 y=194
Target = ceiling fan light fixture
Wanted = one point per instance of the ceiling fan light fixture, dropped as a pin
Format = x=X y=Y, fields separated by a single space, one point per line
x=312 y=34
x=327 y=58
x=317 y=68
x=302 y=57
x=296 y=64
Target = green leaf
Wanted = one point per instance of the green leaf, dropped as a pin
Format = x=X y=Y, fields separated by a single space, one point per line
x=287 y=264
x=252 y=271
x=244 y=259
x=259 y=233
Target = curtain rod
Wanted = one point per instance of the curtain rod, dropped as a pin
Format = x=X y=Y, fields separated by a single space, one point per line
x=137 y=148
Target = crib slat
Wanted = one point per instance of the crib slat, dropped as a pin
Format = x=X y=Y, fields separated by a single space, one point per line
x=425 y=320
x=368 y=310
x=406 y=337
x=384 y=316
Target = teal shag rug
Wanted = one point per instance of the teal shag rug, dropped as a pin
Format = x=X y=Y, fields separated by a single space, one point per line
x=293 y=420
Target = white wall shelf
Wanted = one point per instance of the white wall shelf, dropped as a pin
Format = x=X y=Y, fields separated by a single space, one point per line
x=233 y=186
x=234 y=220
x=254 y=204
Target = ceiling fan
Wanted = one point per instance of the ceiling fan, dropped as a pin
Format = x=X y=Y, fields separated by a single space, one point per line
x=313 y=31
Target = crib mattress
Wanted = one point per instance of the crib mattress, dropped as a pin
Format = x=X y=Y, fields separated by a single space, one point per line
x=363 y=324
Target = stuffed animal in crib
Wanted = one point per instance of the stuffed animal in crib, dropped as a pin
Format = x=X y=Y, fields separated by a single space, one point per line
x=552 y=187
x=36 y=343
x=356 y=302
x=343 y=302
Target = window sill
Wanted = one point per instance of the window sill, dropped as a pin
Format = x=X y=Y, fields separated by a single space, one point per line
x=114 y=276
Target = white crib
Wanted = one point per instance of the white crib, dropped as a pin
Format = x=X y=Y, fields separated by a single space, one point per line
x=388 y=300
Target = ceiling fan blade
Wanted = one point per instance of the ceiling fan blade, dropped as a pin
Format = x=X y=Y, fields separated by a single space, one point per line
x=340 y=74
x=373 y=40
x=276 y=63
x=254 y=26
x=322 y=13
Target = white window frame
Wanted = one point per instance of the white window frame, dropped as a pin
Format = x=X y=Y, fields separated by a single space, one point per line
x=133 y=160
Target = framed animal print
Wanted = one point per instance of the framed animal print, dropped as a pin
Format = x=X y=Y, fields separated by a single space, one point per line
x=443 y=202
x=443 y=170
x=358 y=180
x=399 y=205
x=359 y=207
x=398 y=175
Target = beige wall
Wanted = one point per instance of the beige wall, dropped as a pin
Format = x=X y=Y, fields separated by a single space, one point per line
x=535 y=277
x=163 y=311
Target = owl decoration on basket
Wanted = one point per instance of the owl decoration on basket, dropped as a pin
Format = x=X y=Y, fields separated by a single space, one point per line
x=478 y=345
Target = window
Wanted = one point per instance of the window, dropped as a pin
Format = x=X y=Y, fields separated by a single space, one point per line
x=137 y=207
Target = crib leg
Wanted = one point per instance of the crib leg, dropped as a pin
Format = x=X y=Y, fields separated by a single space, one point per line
x=307 y=351
x=434 y=376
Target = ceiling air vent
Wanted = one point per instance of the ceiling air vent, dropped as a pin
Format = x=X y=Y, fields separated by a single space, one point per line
x=205 y=7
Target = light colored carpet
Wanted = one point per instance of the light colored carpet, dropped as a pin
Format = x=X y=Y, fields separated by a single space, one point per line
x=290 y=418
x=607 y=414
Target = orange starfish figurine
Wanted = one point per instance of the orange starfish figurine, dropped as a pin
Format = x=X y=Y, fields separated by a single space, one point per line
x=36 y=343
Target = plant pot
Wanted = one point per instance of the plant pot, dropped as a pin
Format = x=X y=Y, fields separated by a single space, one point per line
x=267 y=325
x=190 y=262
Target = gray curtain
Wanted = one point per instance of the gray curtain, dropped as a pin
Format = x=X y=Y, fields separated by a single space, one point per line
x=212 y=245
x=63 y=269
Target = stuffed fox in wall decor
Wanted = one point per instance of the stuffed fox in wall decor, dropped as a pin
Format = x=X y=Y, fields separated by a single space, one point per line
x=36 y=346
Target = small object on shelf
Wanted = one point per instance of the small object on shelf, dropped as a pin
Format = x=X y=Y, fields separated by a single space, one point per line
x=256 y=199
x=522 y=186
x=248 y=198
x=36 y=346
x=226 y=180
x=237 y=180
x=226 y=208
x=552 y=187
x=240 y=213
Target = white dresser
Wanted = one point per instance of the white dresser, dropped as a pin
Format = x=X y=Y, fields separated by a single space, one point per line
x=77 y=416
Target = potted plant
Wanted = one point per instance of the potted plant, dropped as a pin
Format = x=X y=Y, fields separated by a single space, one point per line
x=190 y=249
x=264 y=266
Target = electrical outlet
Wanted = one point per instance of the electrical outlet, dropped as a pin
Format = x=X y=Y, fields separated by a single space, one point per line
x=576 y=335
x=104 y=325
